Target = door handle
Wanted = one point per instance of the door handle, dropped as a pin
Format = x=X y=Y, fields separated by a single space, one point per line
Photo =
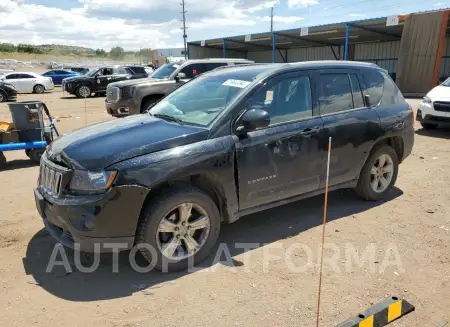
x=310 y=131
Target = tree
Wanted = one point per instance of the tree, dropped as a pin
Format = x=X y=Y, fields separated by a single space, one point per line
x=117 y=53
x=7 y=47
x=100 y=53
x=145 y=54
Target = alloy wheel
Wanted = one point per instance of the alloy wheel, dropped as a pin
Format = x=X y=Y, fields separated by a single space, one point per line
x=381 y=173
x=183 y=231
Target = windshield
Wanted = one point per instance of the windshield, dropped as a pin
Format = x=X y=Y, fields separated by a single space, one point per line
x=446 y=82
x=92 y=72
x=201 y=100
x=165 y=71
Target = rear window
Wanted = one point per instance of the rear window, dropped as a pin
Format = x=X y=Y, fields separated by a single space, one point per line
x=381 y=88
x=138 y=70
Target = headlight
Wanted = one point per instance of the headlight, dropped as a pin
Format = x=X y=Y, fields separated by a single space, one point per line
x=427 y=100
x=88 y=182
x=127 y=92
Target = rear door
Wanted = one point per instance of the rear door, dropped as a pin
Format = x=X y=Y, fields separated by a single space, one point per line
x=352 y=125
x=27 y=82
x=13 y=79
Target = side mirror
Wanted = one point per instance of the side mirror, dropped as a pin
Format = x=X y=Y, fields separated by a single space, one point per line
x=367 y=100
x=180 y=76
x=253 y=119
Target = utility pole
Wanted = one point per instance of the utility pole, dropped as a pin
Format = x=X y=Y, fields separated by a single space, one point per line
x=271 y=19
x=183 y=12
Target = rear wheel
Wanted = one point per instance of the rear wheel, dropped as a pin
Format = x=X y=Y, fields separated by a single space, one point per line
x=179 y=227
x=379 y=173
x=83 y=91
x=3 y=97
x=39 y=89
x=429 y=126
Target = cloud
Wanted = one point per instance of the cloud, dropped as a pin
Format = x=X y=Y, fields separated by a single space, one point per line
x=302 y=3
x=438 y=4
x=284 y=19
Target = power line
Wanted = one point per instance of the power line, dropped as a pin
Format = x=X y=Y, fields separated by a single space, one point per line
x=183 y=12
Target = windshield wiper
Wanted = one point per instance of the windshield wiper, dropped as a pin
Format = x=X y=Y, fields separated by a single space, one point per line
x=167 y=117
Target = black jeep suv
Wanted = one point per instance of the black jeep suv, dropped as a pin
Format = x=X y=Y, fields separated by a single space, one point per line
x=228 y=143
x=97 y=80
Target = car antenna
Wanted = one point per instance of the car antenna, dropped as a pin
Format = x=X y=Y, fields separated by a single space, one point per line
x=325 y=207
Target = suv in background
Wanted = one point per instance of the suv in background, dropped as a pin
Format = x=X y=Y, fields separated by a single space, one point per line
x=97 y=80
x=231 y=142
x=134 y=97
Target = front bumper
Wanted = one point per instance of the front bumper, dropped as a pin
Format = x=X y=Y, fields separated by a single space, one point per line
x=428 y=115
x=89 y=222
x=68 y=87
x=121 y=108
x=11 y=95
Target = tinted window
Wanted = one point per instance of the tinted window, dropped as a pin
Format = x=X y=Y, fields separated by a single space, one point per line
x=26 y=76
x=374 y=83
x=165 y=71
x=214 y=65
x=193 y=70
x=50 y=73
x=108 y=71
x=335 y=93
x=391 y=94
x=286 y=100
x=138 y=70
x=358 y=101
x=62 y=72
x=12 y=76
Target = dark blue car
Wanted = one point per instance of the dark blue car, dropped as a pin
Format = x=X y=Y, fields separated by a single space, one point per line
x=57 y=75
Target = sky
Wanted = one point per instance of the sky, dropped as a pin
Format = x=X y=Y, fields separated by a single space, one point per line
x=134 y=24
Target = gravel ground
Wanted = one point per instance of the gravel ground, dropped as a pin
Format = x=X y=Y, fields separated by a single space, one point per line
x=409 y=234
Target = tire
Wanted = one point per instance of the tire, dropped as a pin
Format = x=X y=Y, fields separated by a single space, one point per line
x=2 y=159
x=366 y=182
x=38 y=89
x=148 y=103
x=3 y=97
x=428 y=125
x=83 y=91
x=35 y=155
x=159 y=209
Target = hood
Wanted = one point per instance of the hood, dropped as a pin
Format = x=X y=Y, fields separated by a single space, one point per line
x=76 y=78
x=132 y=82
x=98 y=146
x=439 y=92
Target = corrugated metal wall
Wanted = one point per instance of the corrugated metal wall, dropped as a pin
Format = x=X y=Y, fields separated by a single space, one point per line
x=313 y=53
x=384 y=54
x=445 y=63
x=196 y=52
x=264 y=56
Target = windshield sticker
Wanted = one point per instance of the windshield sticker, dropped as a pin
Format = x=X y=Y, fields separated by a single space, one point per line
x=236 y=83
x=269 y=97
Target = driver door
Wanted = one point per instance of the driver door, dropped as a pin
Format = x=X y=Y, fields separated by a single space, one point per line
x=105 y=78
x=284 y=159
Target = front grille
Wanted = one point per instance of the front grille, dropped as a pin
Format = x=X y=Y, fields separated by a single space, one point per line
x=442 y=106
x=112 y=94
x=52 y=177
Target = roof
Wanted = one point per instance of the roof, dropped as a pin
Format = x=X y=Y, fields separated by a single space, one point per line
x=361 y=31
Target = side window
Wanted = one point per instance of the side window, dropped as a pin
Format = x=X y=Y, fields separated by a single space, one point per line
x=358 y=101
x=122 y=71
x=335 y=93
x=286 y=100
x=137 y=70
x=214 y=65
x=26 y=76
x=108 y=71
x=61 y=72
x=50 y=73
x=12 y=76
x=375 y=84
x=391 y=94
x=193 y=70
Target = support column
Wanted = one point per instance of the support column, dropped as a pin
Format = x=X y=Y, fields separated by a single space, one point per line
x=224 y=48
x=347 y=32
x=274 y=46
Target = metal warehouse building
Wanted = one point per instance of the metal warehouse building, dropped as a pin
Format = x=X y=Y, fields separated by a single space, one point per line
x=414 y=48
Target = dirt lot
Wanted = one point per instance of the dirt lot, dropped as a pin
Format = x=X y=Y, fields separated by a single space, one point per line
x=415 y=221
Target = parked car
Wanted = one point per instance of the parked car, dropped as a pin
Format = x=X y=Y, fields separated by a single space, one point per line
x=57 y=75
x=97 y=80
x=5 y=71
x=7 y=92
x=79 y=70
x=134 y=97
x=434 y=110
x=230 y=142
x=28 y=82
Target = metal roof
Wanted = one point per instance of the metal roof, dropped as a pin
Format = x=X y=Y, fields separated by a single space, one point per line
x=361 y=31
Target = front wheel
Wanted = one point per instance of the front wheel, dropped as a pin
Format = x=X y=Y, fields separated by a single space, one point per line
x=39 y=89
x=178 y=228
x=379 y=173
x=3 y=96
x=83 y=91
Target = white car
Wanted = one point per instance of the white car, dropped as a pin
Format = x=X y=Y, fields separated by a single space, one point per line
x=28 y=82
